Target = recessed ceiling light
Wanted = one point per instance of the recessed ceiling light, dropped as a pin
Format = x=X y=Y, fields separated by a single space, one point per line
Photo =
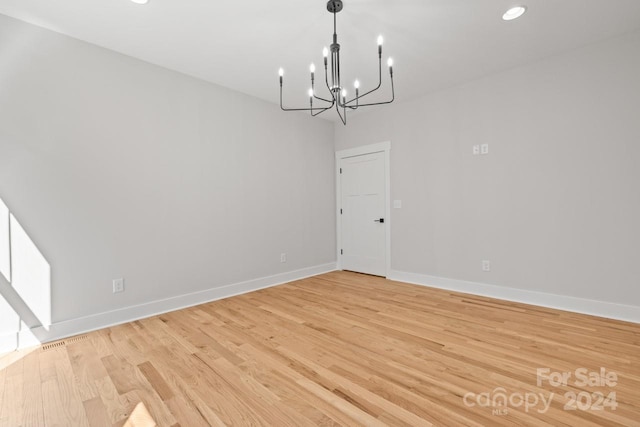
x=514 y=12
x=140 y=1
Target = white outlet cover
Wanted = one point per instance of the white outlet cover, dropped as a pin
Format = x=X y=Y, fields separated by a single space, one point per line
x=397 y=204
x=484 y=149
x=118 y=285
x=476 y=150
x=486 y=265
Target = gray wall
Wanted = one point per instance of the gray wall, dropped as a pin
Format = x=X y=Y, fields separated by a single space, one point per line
x=555 y=205
x=118 y=168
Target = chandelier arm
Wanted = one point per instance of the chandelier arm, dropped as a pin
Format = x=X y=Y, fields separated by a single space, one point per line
x=374 y=89
x=322 y=99
x=342 y=104
x=298 y=109
x=353 y=107
x=305 y=109
x=326 y=80
x=393 y=97
x=313 y=89
x=339 y=80
x=344 y=119
x=322 y=110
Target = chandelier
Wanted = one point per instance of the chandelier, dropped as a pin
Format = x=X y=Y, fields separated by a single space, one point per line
x=337 y=93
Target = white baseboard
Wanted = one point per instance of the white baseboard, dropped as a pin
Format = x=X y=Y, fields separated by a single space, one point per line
x=59 y=330
x=629 y=313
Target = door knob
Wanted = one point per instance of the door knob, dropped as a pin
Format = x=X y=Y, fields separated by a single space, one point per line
x=381 y=220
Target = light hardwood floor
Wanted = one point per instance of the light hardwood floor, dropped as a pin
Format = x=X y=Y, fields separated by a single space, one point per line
x=336 y=349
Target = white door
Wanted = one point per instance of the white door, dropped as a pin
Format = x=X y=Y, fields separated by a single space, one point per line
x=363 y=228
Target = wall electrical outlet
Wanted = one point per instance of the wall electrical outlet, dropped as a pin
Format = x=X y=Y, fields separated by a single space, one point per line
x=476 y=150
x=484 y=149
x=283 y=257
x=486 y=265
x=118 y=285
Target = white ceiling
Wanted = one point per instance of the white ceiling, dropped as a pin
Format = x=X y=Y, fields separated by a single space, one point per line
x=241 y=44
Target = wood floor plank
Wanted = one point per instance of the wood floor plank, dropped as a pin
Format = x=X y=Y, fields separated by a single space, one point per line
x=12 y=405
x=86 y=368
x=140 y=417
x=118 y=407
x=129 y=380
x=336 y=349
x=69 y=393
x=155 y=379
x=96 y=413
x=33 y=412
x=154 y=407
x=121 y=373
x=52 y=403
x=187 y=405
x=186 y=412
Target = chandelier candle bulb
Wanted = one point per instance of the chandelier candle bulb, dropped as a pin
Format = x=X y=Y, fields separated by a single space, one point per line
x=380 y=40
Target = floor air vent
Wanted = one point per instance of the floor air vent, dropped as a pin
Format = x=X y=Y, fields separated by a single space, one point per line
x=62 y=343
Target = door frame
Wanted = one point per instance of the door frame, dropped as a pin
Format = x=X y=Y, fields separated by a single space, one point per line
x=381 y=147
